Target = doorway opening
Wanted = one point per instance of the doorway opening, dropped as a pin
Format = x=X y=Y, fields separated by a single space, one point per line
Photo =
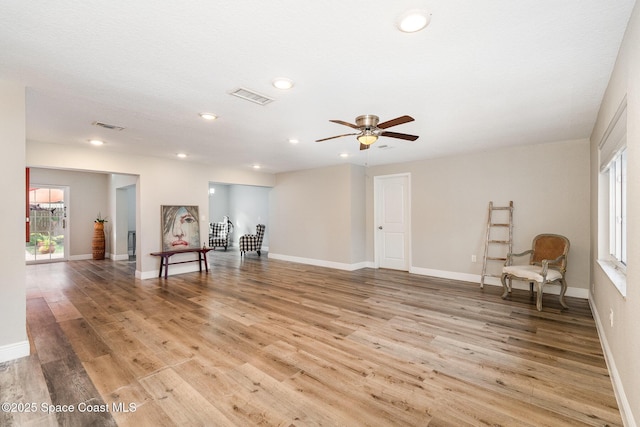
x=47 y=224
x=245 y=206
x=125 y=220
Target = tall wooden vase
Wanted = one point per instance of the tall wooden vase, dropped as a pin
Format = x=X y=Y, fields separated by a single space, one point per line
x=98 y=240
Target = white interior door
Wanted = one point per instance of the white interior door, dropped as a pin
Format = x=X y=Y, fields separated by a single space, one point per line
x=392 y=221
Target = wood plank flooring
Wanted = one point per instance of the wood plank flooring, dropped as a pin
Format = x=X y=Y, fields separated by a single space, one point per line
x=272 y=343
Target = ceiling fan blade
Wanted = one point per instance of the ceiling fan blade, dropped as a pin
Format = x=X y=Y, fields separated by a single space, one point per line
x=340 y=122
x=400 y=135
x=364 y=147
x=337 y=136
x=395 y=122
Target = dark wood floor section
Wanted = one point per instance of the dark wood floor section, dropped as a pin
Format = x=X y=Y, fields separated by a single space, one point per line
x=267 y=342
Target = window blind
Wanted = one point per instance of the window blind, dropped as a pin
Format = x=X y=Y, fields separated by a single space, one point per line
x=615 y=137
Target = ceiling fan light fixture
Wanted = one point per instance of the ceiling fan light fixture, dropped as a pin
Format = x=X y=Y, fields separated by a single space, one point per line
x=369 y=129
x=414 y=20
x=367 y=138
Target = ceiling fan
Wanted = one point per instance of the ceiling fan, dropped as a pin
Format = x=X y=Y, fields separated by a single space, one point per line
x=369 y=129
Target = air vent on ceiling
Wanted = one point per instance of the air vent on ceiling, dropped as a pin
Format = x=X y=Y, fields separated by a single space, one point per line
x=107 y=126
x=252 y=96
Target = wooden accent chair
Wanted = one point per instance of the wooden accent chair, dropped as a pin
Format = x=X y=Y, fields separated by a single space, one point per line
x=252 y=242
x=547 y=264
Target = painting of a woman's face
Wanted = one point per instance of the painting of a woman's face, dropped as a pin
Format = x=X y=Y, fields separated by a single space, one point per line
x=180 y=227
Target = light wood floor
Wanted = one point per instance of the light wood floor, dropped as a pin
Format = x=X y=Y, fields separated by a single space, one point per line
x=267 y=342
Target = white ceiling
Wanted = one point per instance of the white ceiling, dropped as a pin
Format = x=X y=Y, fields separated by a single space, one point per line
x=482 y=75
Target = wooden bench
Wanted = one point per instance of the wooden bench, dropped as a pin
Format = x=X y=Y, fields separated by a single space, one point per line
x=165 y=255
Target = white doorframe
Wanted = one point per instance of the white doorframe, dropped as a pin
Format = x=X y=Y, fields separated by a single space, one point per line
x=378 y=182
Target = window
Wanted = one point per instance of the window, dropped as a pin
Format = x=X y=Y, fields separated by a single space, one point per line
x=612 y=200
x=618 y=209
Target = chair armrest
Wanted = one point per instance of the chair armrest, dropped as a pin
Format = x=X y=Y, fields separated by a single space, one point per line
x=510 y=256
x=546 y=262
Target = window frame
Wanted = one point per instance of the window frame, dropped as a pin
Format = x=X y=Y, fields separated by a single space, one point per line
x=612 y=200
x=617 y=171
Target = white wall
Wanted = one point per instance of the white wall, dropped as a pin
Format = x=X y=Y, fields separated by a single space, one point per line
x=548 y=184
x=122 y=213
x=325 y=216
x=317 y=216
x=131 y=211
x=219 y=202
x=358 y=214
x=622 y=340
x=13 y=332
x=248 y=207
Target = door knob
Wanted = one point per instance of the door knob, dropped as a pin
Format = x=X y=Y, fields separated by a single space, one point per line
x=379 y=227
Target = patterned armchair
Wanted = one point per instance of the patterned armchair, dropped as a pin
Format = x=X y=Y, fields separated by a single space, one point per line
x=219 y=233
x=252 y=242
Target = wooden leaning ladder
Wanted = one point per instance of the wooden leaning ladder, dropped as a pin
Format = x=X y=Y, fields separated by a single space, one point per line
x=505 y=243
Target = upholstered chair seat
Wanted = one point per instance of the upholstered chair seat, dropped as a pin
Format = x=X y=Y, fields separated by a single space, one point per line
x=532 y=272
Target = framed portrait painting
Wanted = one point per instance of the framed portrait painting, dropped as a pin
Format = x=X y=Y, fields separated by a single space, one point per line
x=180 y=227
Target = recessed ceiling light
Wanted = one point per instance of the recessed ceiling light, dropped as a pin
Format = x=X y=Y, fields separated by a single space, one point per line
x=256 y=166
x=96 y=142
x=293 y=141
x=282 y=83
x=344 y=155
x=181 y=155
x=414 y=20
x=208 y=116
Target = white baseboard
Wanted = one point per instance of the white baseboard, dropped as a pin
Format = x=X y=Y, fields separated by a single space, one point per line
x=618 y=389
x=14 y=351
x=143 y=275
x=116 y=257
x=493 y=281
x=442 y=274
x=322 y=263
